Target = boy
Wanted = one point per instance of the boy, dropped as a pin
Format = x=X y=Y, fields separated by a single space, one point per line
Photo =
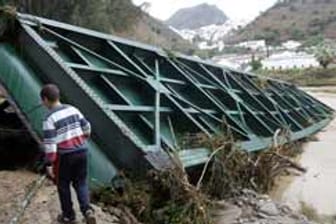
x=65 y=132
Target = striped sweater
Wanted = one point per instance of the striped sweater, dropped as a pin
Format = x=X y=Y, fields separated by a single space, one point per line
x=65 y=130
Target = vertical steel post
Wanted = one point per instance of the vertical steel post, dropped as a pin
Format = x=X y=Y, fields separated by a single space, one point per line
x=157 y=105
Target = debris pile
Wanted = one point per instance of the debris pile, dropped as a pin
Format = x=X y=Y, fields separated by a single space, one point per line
x=253 y=208
x=165 y=197
x=220 y=195
x=233 y=170
x=172 y=199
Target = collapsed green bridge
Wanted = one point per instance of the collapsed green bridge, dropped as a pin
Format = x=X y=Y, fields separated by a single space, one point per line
x=143 y=101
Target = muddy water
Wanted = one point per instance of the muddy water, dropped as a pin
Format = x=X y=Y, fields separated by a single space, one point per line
x=317 y=187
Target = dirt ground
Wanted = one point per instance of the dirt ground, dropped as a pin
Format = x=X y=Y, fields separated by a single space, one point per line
x=13 y=186
x=44 y=207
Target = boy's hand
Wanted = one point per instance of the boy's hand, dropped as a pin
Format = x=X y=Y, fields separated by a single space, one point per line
x=50 y=172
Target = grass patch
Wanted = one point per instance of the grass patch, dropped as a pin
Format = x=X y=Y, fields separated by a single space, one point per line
x=304 y=77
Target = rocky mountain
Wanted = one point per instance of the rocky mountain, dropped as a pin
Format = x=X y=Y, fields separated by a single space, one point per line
x=119 y=17
x=197 y=16
x=203 y=25
x=292 y=19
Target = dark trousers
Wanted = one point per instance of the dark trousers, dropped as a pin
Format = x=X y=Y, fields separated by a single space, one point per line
x=72 y=169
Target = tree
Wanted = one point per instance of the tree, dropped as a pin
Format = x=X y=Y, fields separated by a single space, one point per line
x=145 y=6
x=255 y=63
x=313 y=41
x=324 y=55
x=297 y=34
x=101 y=15
x=271 y=37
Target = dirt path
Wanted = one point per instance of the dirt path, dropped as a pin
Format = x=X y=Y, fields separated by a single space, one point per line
x=44 y=207
x=13 y=186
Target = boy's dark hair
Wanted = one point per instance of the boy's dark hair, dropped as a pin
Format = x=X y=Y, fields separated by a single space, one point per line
x=51 y=92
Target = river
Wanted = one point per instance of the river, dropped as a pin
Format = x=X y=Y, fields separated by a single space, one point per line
x=317 y=187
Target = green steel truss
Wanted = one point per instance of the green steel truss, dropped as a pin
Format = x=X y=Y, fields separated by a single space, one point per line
x=143 y=101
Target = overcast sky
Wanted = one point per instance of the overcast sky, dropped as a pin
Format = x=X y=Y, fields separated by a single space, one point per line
x=235 y=9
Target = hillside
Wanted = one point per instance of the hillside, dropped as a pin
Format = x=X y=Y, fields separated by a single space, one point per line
x=118 y=17
x=197 y=16
x=292 y=19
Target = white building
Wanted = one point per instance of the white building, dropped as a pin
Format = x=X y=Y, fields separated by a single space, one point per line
x=228 y=63
x=291 y=45
x=256 y=45
x=205 y=45
x=290 y=60
x=232 y=60
x=237 y=60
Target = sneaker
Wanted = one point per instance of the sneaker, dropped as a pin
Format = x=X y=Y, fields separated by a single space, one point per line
x=65 y=220
x=90 y=217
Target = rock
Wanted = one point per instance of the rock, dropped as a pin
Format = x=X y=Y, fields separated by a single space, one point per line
x=249 y=192
x=269 y=208
x=264 y=197
x=222 y=204
x=287 y=220
x=248 y=212
x=285 y=209
x=262 y=215
x=104 y=217
x=239 y=203
x=226 y=214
